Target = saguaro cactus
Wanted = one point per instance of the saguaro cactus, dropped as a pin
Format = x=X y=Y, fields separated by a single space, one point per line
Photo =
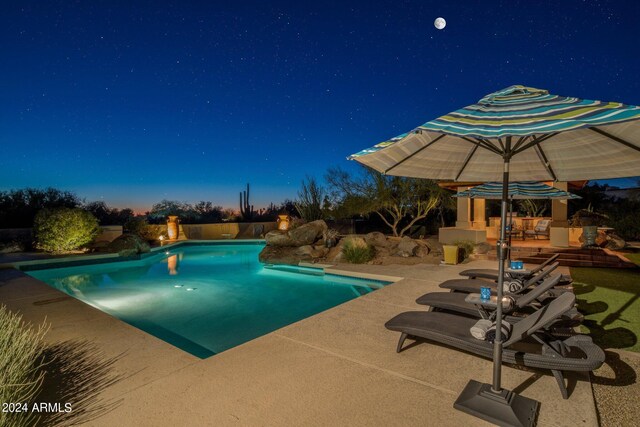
x=246 y=210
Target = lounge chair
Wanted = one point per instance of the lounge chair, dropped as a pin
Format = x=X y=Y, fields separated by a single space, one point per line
x=541 y=229
x=515 y=307
x=492 y=274
x=528 y=345
x=517 y=286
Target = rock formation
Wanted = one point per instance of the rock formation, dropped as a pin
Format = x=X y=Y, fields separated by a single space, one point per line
x=303 y=243
x=128 y=245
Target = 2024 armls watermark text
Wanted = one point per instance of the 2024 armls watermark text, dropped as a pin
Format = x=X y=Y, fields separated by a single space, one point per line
x=39 y=407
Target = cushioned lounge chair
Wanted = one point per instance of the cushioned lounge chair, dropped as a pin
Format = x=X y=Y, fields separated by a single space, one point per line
x=492 y=274
x=517 y=307
x=474 y=285
x=529 y=344
x=540 y=230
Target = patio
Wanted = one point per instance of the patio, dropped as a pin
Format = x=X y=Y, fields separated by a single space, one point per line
x=338 y=367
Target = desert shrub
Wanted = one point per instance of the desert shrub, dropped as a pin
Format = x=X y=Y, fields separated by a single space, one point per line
x=623 y=216
x=310 y=200
x=64 y=229
x=357 y=252
x=627 y=227
x=140 y=226
x=466 y=247
x=21 y=355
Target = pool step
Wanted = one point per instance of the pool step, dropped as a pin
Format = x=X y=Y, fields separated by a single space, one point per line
x=310 y=271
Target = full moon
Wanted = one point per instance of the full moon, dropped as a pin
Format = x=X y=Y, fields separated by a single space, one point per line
x=440 y=23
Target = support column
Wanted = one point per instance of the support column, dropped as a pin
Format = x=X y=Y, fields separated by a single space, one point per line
x=479 y=220
x=463 y=219
x=559 y=208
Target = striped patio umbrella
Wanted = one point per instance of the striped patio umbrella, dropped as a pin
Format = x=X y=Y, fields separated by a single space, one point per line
x=517 y=190
x=524 y=134
x=545 y=137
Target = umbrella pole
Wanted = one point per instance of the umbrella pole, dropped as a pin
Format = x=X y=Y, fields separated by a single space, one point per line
x=510 y=226
x=502 y=248
x=491 y=402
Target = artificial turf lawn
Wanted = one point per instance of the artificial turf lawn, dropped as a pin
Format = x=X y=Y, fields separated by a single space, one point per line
x=610 y=300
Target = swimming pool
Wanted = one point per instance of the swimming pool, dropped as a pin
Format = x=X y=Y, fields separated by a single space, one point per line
x=206 y=299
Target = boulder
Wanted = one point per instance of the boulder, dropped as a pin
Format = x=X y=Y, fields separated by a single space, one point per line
x=292 y=255
x=334 y=254
x=406 y=247
x=376 y=239
x=382 y=252
x=304 y=250
x=128 y=245
x=279 y=238
x=303 y=235
x=319 y=253
x=435 y=247
x=615 y=242
x=308 y=233
x=281 y=255
x=422 y=251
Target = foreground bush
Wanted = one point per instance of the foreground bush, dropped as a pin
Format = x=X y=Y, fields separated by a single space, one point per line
x=21 y=355
x=357 y=252
x=466 y=247
x=64 y=229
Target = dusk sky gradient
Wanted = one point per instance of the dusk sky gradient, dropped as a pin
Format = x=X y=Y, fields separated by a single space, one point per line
x=134 y=102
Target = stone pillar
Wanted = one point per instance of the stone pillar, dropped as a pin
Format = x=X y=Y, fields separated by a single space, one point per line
x=464 y=211
x=559 y=208
x=479 y=220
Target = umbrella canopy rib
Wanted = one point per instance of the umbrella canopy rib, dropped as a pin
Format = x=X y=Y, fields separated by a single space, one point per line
x=615 y=138
x=484 y=144
x=521 y=141
x=466 y=162
x=545 y=162
x=536 y=141
x=414 y=153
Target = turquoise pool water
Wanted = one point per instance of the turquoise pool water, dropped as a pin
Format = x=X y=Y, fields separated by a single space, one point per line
x=205 y=299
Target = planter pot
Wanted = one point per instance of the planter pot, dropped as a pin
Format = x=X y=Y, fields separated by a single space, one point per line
x=451 y=254
x=172 y=227
x=589 y=234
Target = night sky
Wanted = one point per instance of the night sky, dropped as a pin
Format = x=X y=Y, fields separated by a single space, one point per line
x=133 y=102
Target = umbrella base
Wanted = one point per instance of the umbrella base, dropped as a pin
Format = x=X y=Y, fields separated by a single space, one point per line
x=505 y=408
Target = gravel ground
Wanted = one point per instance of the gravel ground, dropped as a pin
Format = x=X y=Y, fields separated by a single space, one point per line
x=616 y=389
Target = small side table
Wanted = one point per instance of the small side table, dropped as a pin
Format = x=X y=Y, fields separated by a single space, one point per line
x=491 y=303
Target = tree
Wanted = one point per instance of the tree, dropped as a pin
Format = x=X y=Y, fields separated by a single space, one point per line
x=288 y=207
x=107 y=215
x=18 y=208
x=208 y=213
x=396 y=200
x=533 y=208
x=310 y=200
x=160 y=211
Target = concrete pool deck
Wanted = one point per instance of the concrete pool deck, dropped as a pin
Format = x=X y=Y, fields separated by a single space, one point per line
x=337 y=367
